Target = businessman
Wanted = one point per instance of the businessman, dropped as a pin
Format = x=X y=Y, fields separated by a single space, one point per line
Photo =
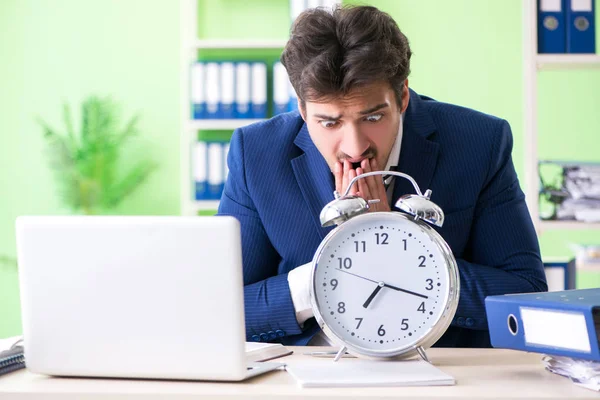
x=357 y=114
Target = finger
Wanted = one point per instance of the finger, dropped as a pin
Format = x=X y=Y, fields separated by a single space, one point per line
x=363 y=188
x=352 y=175
x=338 y=173
x=345 y=176
x=371 y=181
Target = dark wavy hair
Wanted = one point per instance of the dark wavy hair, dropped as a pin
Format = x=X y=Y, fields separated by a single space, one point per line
x=331 y=52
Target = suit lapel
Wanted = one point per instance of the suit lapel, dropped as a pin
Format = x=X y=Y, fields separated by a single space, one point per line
x=418 y=155
x=314 y=178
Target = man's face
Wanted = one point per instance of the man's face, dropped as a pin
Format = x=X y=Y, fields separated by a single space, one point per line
x=363 y=124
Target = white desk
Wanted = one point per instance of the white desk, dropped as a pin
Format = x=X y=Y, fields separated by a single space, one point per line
x=479 y=374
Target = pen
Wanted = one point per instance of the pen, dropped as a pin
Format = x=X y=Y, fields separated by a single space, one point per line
x=328 y=354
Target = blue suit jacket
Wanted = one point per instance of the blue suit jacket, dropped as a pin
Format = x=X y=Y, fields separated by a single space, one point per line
x=278 y=183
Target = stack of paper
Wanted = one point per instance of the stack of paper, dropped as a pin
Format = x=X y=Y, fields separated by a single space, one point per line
x=584 y=373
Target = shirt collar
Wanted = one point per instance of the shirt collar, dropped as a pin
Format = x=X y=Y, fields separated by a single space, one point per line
x=395 y=153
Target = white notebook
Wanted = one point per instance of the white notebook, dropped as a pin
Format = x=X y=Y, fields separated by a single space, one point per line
x=367 y=373
x=256 y=352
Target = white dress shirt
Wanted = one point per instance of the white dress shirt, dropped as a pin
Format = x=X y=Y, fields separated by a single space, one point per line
x=299 y=277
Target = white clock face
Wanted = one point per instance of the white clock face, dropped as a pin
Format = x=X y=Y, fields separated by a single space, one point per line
x=381 y=282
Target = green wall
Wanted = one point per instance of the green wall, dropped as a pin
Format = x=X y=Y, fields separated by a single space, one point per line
x=55 y=51
x=467 y=52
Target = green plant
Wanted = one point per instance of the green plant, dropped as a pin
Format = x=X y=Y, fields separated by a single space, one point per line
x=87 y=164
x=9 y=262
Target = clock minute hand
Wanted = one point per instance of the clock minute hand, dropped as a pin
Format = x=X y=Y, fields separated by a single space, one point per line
x=358 y=276
x=405 y=291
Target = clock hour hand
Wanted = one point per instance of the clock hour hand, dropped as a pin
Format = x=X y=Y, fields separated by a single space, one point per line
x=405 y=291
x=372 y=296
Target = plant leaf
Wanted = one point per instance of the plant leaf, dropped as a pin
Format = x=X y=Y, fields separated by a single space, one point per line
x=68 y=120
x=134 y=178
x=129 y=131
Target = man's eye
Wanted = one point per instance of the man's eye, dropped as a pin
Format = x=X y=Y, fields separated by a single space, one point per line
x=374 y=117
x=328 y=124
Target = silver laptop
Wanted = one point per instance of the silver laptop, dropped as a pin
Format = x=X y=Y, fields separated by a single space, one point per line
x=135 y=297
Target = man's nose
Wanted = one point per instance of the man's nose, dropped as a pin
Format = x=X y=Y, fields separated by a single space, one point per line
x=354 y=143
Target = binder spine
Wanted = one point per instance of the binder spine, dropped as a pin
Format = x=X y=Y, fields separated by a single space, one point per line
x=225 y=166
x=199 y=162
x=581 y=27
x=242 y=90
x=551 y=26
x=227 y=90
x=213 y=92
x=215 y=170
x=259 y=90
x=197 y=95
x=296 y=7
x=281 y=96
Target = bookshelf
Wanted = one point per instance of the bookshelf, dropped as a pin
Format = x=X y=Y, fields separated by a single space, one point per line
x=566 y=61
x=533 y=63
x=194 y=125
x=238 y=44
x=191 y=48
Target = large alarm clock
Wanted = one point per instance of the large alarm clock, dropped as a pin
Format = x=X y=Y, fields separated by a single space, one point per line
x=384 y=284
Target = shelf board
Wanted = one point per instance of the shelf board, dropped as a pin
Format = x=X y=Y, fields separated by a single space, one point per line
x=568 y=225
x=220 y=124
x=199 y=205
x=239 y=44
x=567 y=61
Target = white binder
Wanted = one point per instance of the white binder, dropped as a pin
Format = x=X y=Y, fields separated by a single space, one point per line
x=330 y=4
x=296 y=7
x=242 y=90
x=259 y=90
x=197 y=90
x=225 y=166
x=227 y=89
x=215 y=170
x=199 y=170
x=313 y=3
x=213 y=92
x=281 y=95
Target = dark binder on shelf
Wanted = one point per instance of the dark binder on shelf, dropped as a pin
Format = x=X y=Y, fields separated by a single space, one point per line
x=581 y=32
x=551 y=26
x=563 y=323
